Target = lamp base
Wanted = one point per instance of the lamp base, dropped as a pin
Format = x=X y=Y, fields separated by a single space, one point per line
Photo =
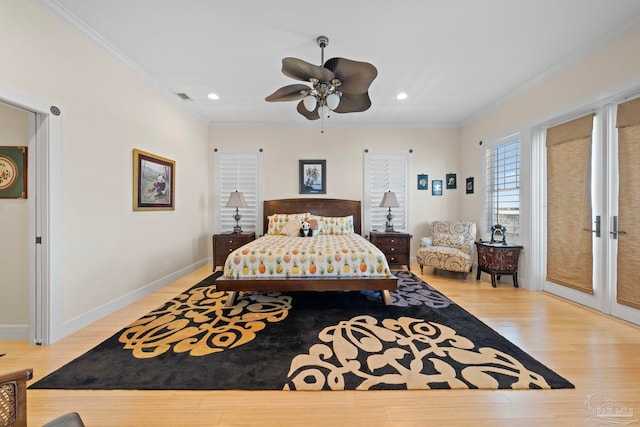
x=389 y=228
x=237 y=229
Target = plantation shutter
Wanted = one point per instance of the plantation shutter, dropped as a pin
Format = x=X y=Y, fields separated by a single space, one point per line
x=628 y=124
x=569 y=246
x=502 y=168
x=241 y=171
x=385 y=171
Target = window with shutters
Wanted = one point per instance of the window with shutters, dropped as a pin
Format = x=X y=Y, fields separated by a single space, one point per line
x=385 y=171
x=502 y=185
x=238 y=170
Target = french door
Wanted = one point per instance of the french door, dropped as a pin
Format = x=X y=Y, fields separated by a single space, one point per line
x=603 y=233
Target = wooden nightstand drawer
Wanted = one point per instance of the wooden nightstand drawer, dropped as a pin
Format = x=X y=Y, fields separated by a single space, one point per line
x=395 y=246
x=224 y=244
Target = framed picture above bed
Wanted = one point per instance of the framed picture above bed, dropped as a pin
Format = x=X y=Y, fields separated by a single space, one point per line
x=153 y=182
x=313 y=176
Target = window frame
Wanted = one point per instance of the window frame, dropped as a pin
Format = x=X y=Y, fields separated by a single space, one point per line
x=491 y=167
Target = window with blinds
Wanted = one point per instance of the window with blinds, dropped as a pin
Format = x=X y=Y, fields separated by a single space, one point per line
x=385 y=171
x=241 y=171
x=502 y=183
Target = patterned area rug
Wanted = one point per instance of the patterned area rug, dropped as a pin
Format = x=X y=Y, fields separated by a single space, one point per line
x=306 y=341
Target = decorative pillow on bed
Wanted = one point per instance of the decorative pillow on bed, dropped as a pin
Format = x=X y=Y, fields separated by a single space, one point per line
x=278 y=221
x=335 y=225
x=291 y=228
x=448 y=240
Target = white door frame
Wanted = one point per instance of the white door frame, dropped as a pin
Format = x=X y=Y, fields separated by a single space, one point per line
x=605 y=204
x=44 y=217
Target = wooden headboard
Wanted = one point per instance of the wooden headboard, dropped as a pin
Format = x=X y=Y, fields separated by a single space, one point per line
x=316 y=206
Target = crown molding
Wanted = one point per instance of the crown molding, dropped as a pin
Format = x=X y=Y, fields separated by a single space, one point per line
x=632 y=25
x=58 y=11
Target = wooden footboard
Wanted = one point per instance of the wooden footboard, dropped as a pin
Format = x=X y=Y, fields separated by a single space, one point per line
x=384 y=285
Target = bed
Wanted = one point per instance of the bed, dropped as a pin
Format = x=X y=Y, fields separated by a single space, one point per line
x=377 y=280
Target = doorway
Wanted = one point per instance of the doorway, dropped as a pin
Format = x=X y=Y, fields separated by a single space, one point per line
x=44 y=213
x=600 y=258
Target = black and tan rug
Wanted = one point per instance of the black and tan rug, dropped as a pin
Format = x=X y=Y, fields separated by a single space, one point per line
x=306 y=341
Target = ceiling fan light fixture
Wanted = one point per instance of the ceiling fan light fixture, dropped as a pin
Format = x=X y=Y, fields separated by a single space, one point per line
x=333 y=100
x=310 y=103
x=340 y=85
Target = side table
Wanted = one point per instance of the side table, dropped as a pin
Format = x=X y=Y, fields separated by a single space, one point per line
x=224 y=244
x=498 y=259
x=395 y=246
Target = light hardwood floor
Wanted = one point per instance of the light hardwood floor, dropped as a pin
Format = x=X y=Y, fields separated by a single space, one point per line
x=597 y=353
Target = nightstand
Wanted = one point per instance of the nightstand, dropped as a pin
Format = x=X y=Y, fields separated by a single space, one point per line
x=498 y=259
x=395 y=246
x=224 y=244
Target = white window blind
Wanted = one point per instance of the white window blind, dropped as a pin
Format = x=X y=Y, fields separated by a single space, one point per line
x=241 y=171
x=502 y=183
x=385 y=171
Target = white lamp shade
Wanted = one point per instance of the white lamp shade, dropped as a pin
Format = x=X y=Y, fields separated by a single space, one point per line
x=332 y=101
x=236 y=200
x=310 y=103
x=389 y=200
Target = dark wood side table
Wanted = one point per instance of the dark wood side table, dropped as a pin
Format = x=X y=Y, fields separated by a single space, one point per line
x=498 y=259
x=395 y=246
x=224 y=244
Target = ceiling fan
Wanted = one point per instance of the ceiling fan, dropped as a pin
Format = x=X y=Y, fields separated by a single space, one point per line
x=340 y=85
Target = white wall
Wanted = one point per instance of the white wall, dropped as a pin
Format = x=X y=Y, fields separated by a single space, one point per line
x=14 y=228
x=436 y=152
x=109 y=253
x=607 y=72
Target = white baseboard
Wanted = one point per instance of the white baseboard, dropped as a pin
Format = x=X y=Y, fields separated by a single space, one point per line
x=98 y=313
x=14 y=332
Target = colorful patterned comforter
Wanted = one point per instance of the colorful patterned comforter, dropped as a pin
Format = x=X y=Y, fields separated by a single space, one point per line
x=348 y=255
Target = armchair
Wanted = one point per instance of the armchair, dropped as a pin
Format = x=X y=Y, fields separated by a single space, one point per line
x=450 y=246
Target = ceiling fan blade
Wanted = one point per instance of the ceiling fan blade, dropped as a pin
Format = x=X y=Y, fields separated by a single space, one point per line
x=289 y=93
x=311 y=115
x=356 y=76
x=353 y=103
x=302 y=70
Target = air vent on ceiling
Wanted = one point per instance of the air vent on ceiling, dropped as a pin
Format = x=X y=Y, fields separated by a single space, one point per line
x=184 y=96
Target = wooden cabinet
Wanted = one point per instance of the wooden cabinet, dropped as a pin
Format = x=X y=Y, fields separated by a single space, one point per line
x=498 y=259
x=395 y=246
x=224 y=244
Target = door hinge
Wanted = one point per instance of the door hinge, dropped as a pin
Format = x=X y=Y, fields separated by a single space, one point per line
x=38 y=240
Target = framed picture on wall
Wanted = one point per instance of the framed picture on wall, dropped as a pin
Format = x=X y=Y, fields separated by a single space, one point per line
x=436 y=187
x=470 y=185
x=313 y=176
x=423 y=182
x=153 y=182
x=451 y=181
x=13 y=172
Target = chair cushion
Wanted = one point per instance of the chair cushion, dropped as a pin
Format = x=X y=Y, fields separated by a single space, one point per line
x=448 y=240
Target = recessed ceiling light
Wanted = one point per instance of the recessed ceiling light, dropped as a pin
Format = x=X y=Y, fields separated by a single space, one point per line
x=401 y=96
x=213 y=96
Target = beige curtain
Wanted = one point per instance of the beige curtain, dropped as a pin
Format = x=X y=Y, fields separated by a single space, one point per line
x=628 y=124
x=569 y=248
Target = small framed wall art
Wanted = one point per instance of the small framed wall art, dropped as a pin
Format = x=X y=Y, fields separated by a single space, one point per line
x=13 y=172
x=153 y=182
x=313 y=176
x=423 y=182
x=470 y=185
x=451 y=181
x=436 y=187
